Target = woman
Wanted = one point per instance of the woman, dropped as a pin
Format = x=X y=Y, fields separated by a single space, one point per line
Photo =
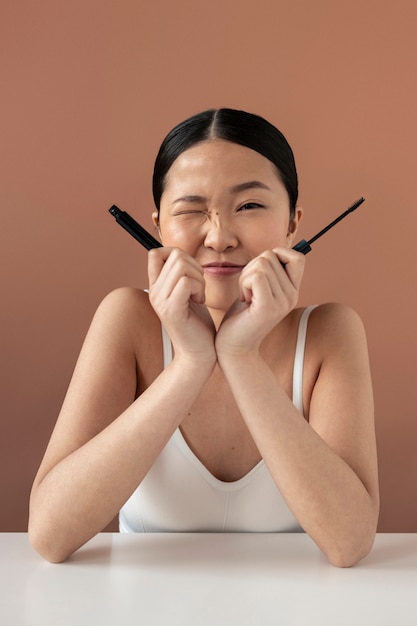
x=196 y=407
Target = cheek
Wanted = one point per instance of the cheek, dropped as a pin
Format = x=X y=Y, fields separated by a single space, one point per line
x=176 y=236
x=268 y=236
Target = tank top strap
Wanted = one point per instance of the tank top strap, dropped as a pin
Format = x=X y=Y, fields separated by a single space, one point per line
x=297 y=377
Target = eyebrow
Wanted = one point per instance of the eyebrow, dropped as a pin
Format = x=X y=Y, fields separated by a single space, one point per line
x=195 y=199
x=251 y=184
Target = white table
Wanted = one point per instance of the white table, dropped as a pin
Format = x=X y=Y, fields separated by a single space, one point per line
x=207 y=579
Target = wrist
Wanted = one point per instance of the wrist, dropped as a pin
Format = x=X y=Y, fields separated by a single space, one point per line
x=239 y=358
x=195 y=364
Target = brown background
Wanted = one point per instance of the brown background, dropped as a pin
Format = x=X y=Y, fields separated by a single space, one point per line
x=89 y=89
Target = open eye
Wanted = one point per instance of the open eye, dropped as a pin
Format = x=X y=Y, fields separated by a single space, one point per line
x=250 y=205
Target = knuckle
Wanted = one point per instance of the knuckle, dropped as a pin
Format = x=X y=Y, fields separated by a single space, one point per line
x=260 y=265
x=176 y=254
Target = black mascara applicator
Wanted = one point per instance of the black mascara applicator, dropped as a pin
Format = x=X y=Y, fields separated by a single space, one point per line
x=304 y=246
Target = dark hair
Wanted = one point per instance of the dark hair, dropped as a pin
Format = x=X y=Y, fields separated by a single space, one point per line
x=246 y=129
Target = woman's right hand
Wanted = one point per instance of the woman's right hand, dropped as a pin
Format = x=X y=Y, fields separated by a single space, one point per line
x=177 y=294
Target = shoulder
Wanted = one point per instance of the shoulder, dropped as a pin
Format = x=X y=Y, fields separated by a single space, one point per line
x=125 y=333
x=337 y=362
x=336 y=328
x=126 y=305
x=124 y=300
x=125 y=314
x=334 y=317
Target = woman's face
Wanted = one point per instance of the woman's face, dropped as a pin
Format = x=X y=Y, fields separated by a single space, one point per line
x=224 y=204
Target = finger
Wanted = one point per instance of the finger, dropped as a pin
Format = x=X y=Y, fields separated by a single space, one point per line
x=265 y=271
x=186 y=289
x=156 y=261
x=173 y=269
x=266 y=276
x=258 y=286
x=293 y=263
x=169 y=266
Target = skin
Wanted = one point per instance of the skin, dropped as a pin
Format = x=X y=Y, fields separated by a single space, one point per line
x=225 y=285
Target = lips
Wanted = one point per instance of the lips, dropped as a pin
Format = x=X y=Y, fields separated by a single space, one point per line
x=222 y=269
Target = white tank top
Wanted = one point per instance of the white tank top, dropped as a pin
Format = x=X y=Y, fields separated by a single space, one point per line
x=179 y=494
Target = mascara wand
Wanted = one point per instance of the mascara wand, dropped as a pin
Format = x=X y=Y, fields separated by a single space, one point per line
x=304 y=246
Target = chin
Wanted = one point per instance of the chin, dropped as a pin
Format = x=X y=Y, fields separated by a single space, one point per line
x=219 y=305
x=221 y=292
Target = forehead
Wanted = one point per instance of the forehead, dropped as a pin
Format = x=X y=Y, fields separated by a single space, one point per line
x=219 y=160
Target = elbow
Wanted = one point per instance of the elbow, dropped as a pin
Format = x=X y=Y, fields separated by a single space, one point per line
x=351 y=543
x=347 y=558
x=47 y=549
x=46 y=543
x=46 y=533
x=348 y=551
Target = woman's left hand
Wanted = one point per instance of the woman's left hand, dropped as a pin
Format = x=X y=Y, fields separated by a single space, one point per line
x=269 y=288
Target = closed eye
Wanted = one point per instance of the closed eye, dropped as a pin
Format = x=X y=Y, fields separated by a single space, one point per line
x=190 y=212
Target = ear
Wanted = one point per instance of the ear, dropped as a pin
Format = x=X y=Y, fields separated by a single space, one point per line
x=155 y=219
x=293 y=225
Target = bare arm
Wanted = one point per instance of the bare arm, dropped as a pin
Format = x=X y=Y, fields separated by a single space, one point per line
x=105 y=441
x=325 y=469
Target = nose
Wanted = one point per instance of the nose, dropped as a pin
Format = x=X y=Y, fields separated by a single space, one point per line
x=220 y=236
